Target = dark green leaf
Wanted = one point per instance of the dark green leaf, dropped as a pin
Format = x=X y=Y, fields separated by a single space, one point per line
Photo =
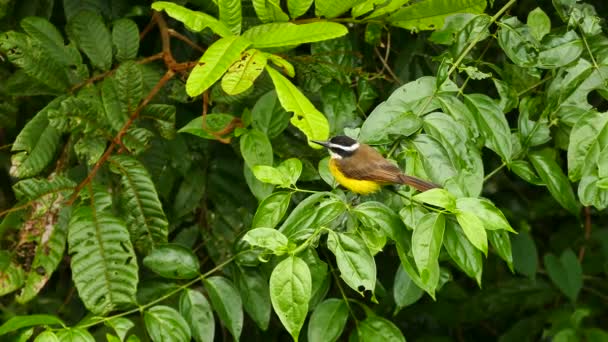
x=525 y=256
x=268 y=116
x=227 y=303
x=355 y=262
x=256 y=148
x=328 y=320
x=92 y=36
x=271 y=210
x=463 y=253
x=173 y=261
x=426 y=244
x=405 y=291
x=565 y=272
x=212 y=123
x=552 y=175
x=492 y=124
x=125 y=36
x=376 y=328
x=163 y=323
x=255 y=293
x=315 y=211
x=196 y=310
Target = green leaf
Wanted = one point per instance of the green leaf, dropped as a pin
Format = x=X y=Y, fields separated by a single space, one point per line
x=525 y=171
x=196 y=310
x=463 y=253
x=387 y=8
x=146 y=220
x=121 y=326
x=435 y=159
x=332 y=9
x=164 y=323
x=539 y=23
x=75 y=334
x=227 y=303
x=92 y=36
x=325 y=173
x=256 y=148
x=430 y=14
x=269 y=116
x=306 y=117
x=173 y=261
x=376 y=328
x=281 y=63
x=438 y=197
x=36 y=144
x=525 y=255
x=517 y=42
x=589 y=130
x=555 y=179
x=163 y=116
x=267 y=238
x=491 y=217
x=48 y=336
x=50 y=40
x=291 y=169
x=500 y=240
x=18 y=322
x=271 y=210
x=405 y=291
x=298 y=8
x=319 y=272
x=213 y=123
x=125 y=37
x=242 y=73
x=328 y=320
x=230 y=14
x=276 y=35
x=129 y=86
x=376 y=214
x=270 y=175
x=214 y=63
x=473 y=230
x=195 y=21
x=103 y=262
x=269 y=10
x=290 y=290
x=558 y=51
x=253 y=288
x=426 y=244
x=492 y=124
x=355 y=262
x=565 y=272
x=315 y=211
x=13 y=277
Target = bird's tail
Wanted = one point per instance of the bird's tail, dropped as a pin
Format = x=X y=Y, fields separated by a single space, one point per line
x=417 y=183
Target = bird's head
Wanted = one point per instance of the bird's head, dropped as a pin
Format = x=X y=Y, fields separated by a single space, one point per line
x=340 y=146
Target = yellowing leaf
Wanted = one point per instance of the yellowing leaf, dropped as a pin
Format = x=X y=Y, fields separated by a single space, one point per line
x=244 y=72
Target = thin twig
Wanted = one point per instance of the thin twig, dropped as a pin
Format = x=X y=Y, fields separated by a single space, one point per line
x=185 y=39
x=384 y=61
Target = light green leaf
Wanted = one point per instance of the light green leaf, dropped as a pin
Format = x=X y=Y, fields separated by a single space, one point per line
x=18 y=322
x=291 y=169
x=539 y=23
x=244 y=72
x=269 y=11
x=103 y=262
x=552 y=175
x=328 y=320
x=214 y=63
x=430 y=14
x=492 y=217
x=463 y=253
x=438 y=197
x=287 y=34
x=297 y=8
x=196 y=310
x=290 y=291
x=500 y=240
x=473 y=230
x=227 y=303
x=492 y=124
x=388 y=8
x=376 y=328
x=271 y=210
x=334 y=8
x=355 y=262
x=92 y=36
x=267 y=238
x=173 y=261
x=586 y=134
x=315 y=211
x=163 y=323
x=560 y=50
x=194 y=20
x=281 y=63
x=426 y=244
x=306 y=117
x=213 y=123
x=75 y=334
x=270 y=175
x=121 y=326
x=230 y=14
x=256 y=148
x=125 y=37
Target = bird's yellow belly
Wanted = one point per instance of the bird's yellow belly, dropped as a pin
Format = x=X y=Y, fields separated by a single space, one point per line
x=363 y=187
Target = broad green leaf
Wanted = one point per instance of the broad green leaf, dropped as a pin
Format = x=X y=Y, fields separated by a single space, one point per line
x=35 y=146
x=214 y=63
x=539 y=23
x=267 y=238
x=51 y=40
x=291 y=169
x=163 y=323
x=463 y=253
x=376 y=328
x=315 y=211
x=306 y=117
x=517 y=42
x=129 y=85
x=121 y=326
x=125 y=38
x=405 y=291
x=325 y=173
x=500 y=240
x=194 y=20
x=230 y=14
x=438 y=197
x=103 y=262
x=508 y=95
x=339 y=106
x=558 y=51
x=173 y=261
x=328 y=320
x=212 y=123
x=492 y=124
x=75 y=334
x=270 y=175
x=197 y=312
x=298 y=8
x=269 y=116
x=290 y=291
x=253 y=288
x=565 y=272
x=47 y=336
x=552 y=175
x=269 y=11
x=163 y=116
x=146 y=220
x=271 y=210
x=491 y=217
x=256 y=148
x=525 y=171
x=426 y=244
x=587 y=133
x=13 y=277
x=227 y=303
x=113 y=104
x=281 y=63
x=525 y=255
x=319 y=273
x=355 y=262
x=388 y=8
x=473 y=229
x=242 y=73
x=434 y=157
x=332 y=9
x=287 y=34
x=431 y=14
x=376 y=214
x=92 y=36
x=18 y=322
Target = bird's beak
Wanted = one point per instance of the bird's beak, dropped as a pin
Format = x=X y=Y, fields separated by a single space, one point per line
x=322 y=143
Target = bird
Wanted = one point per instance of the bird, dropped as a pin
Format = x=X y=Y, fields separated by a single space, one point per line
x=363 y=170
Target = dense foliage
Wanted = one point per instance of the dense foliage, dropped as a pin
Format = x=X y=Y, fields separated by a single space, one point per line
x=157 y=179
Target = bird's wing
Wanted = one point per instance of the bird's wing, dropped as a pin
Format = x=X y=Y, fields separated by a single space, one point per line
x=375 y=168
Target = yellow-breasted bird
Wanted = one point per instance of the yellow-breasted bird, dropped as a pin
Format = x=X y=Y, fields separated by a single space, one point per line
x=361 y=169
